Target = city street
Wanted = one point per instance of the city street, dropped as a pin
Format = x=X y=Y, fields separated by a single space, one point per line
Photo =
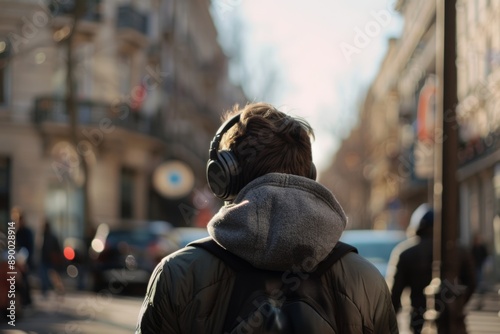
x=82 y=312
x=486 y=320
x=78 y=312
x=483 y=321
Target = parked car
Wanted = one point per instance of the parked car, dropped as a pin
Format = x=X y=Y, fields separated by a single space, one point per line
x=374 y=245
x=126 y=256
x=184 y=235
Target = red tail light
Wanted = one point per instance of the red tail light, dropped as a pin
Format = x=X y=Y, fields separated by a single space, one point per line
x=69 y=253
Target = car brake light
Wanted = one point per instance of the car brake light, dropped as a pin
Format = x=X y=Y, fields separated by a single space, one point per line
x=69 y=253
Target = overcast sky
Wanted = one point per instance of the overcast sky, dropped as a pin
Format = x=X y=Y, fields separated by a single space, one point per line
x=323 y=56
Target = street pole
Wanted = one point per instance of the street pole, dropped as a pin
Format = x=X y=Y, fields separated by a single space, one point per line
x=450 y=189
x=80 y=6
x=445 y=199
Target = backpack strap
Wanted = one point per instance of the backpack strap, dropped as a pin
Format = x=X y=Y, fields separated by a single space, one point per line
x=238 y=264
x=336 y=254
x=235 y=262
x=247 y=276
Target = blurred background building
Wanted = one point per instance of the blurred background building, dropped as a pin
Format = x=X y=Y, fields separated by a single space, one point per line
x=151 y=83
x=150 y=86
x=384 y=141
x=478 y=113
x=391 y=149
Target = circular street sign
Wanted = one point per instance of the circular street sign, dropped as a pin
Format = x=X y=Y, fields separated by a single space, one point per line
x=173 y=179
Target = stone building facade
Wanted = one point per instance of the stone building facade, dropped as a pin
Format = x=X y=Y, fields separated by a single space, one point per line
x=151 y=84
x=478 y=113
x=396 y=125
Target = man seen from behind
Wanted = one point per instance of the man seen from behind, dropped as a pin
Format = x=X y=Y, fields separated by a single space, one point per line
x=277 y=218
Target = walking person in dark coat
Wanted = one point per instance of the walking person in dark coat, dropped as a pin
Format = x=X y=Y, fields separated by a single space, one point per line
x=410 y=266
x=52 y=259
x=479 y=253
x=25 y=246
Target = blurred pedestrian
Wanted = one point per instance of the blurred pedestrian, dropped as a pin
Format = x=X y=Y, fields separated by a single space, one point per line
x=24 y=249
x=410 y=266
x=479 y=253
x=51 y=262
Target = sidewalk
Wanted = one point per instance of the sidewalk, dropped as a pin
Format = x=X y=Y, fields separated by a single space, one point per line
x=486 y=302
x=483 y=312
x=77 y=312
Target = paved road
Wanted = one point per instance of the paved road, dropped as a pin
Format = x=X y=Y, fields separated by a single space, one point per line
x=479 y=321
x=486 y=319
x=78 y=313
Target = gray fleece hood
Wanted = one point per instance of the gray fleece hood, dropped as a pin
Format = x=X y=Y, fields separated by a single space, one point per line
x=280 y=222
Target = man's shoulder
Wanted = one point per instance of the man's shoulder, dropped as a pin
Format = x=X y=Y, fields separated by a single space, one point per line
x=407 y=247
x=194 y=264
x=355 y=265
x=190 y=257
x=360 y=281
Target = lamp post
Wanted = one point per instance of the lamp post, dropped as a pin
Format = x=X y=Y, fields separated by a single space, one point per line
x=445 y=190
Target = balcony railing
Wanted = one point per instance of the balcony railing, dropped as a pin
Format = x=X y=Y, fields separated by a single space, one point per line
x=49 y=109
x=477 y=148
x=129 y=17
x=92 y=11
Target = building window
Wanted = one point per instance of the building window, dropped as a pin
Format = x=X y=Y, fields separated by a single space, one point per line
x=4 y=71
x=125 y=73
x=490 y=57
x=5 y=178
x=127 y=193
x=83 y=71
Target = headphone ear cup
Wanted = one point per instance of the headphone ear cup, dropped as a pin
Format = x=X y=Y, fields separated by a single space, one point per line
x=313 y=172
x=216 y=178
x=223 y=175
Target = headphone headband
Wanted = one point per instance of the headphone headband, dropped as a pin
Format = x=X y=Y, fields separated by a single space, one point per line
x=223 y=170
x=214 y=144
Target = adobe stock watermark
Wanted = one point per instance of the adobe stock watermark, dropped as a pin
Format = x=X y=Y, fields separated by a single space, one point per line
x=93 y=136
x=11 y=274
x=363 y=36
x=31 y=24
x=448 y=294
x=202 y=199
x=482 y=92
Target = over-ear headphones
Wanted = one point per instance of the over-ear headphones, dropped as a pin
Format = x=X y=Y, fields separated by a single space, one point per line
x=222 y=166
x=223 y=170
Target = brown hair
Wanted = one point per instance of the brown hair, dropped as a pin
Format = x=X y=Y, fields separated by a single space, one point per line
x=266 y=140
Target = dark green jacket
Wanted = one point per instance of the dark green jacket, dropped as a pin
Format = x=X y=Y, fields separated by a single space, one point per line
x=190 y=290
x=279 y=222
